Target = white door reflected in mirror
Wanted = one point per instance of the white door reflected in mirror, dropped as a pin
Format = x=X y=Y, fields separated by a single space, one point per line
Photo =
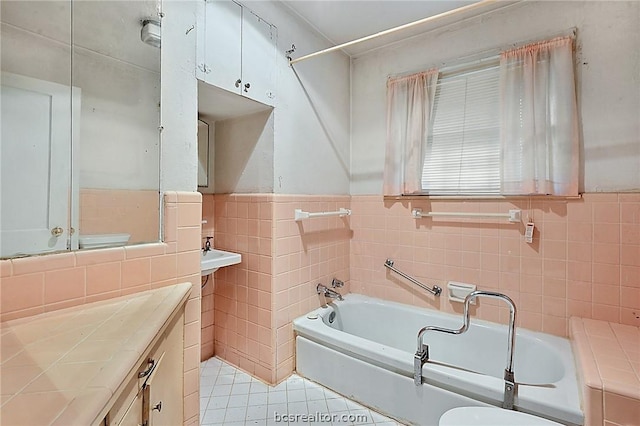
x=36 y=172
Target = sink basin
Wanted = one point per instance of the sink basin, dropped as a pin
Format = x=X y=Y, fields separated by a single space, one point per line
x=213 y=259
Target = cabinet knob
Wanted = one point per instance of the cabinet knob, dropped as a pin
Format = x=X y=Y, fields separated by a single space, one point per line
x=158 y=407
x=57 y=231
x=238 y=81
x=246 y=87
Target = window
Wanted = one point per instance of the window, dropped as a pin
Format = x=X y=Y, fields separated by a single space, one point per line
x=505 y=126
x=463 y=147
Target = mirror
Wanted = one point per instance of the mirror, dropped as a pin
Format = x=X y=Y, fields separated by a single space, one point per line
x=203 y=154
x=80 y=119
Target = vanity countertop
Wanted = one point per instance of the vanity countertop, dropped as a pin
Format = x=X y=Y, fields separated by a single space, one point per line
x=64 y=367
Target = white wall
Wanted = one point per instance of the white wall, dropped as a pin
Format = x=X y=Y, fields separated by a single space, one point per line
x=608 y=83
x=33 y=55
x=244 y=154
x=311 y=117
x=120 y=115
x=246 y=145
x=179 y=97
x=309 y=148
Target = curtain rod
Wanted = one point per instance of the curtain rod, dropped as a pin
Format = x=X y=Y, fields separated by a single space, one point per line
x=466 y=8
x=488 y=55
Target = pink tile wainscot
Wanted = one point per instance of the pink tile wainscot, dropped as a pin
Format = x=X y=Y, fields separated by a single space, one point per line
x=584 y=260
x=38 y=284
x=112 y=211
x=608 y=356
x=282 y=261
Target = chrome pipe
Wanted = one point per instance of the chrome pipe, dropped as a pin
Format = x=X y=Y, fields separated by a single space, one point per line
x=422 y=352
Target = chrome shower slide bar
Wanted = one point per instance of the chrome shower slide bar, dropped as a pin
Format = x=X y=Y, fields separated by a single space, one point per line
x=435 y=290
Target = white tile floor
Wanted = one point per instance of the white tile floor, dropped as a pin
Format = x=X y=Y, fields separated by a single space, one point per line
x=231 y=397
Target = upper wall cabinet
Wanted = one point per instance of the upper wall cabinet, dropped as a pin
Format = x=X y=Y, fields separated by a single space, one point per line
x=237 y=51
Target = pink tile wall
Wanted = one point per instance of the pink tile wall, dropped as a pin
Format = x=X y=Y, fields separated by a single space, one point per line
x=584 y=261
x=243 y=318
x=207 y=315
x=207 y=330
x=38 y=284
x=112 y=211
x=283 y=260
x=608 y=355
x=305 y=253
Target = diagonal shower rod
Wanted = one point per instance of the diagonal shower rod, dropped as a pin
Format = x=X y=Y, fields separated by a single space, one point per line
x=466 y=8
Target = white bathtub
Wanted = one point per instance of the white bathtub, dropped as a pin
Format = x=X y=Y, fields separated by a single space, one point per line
x=366 y=353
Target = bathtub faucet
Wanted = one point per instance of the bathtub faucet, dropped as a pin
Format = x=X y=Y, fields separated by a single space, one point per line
x=327 y=292
x=422 y=353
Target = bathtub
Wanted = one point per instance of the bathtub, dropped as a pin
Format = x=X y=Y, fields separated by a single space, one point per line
x=363 y=348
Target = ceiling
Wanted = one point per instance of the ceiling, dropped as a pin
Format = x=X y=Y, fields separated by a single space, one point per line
x=341 y=21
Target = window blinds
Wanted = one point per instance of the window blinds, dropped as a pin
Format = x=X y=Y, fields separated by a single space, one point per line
x=462 y=154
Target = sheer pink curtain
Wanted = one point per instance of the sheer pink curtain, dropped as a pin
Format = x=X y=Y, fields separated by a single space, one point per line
x=409 y=106
x=539 y=131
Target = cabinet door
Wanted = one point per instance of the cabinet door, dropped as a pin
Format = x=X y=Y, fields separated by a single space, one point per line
x=127 y=409
x=165 y=385
x=258 y=58
x=222 y=45
x=133 y=415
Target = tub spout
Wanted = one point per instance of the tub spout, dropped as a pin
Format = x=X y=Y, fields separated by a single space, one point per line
x=327 y=292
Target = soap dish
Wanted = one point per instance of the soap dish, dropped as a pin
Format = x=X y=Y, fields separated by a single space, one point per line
x=459 y=291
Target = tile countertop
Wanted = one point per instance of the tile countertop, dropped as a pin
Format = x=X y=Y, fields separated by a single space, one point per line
x=608 y=355
x=63 y=367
